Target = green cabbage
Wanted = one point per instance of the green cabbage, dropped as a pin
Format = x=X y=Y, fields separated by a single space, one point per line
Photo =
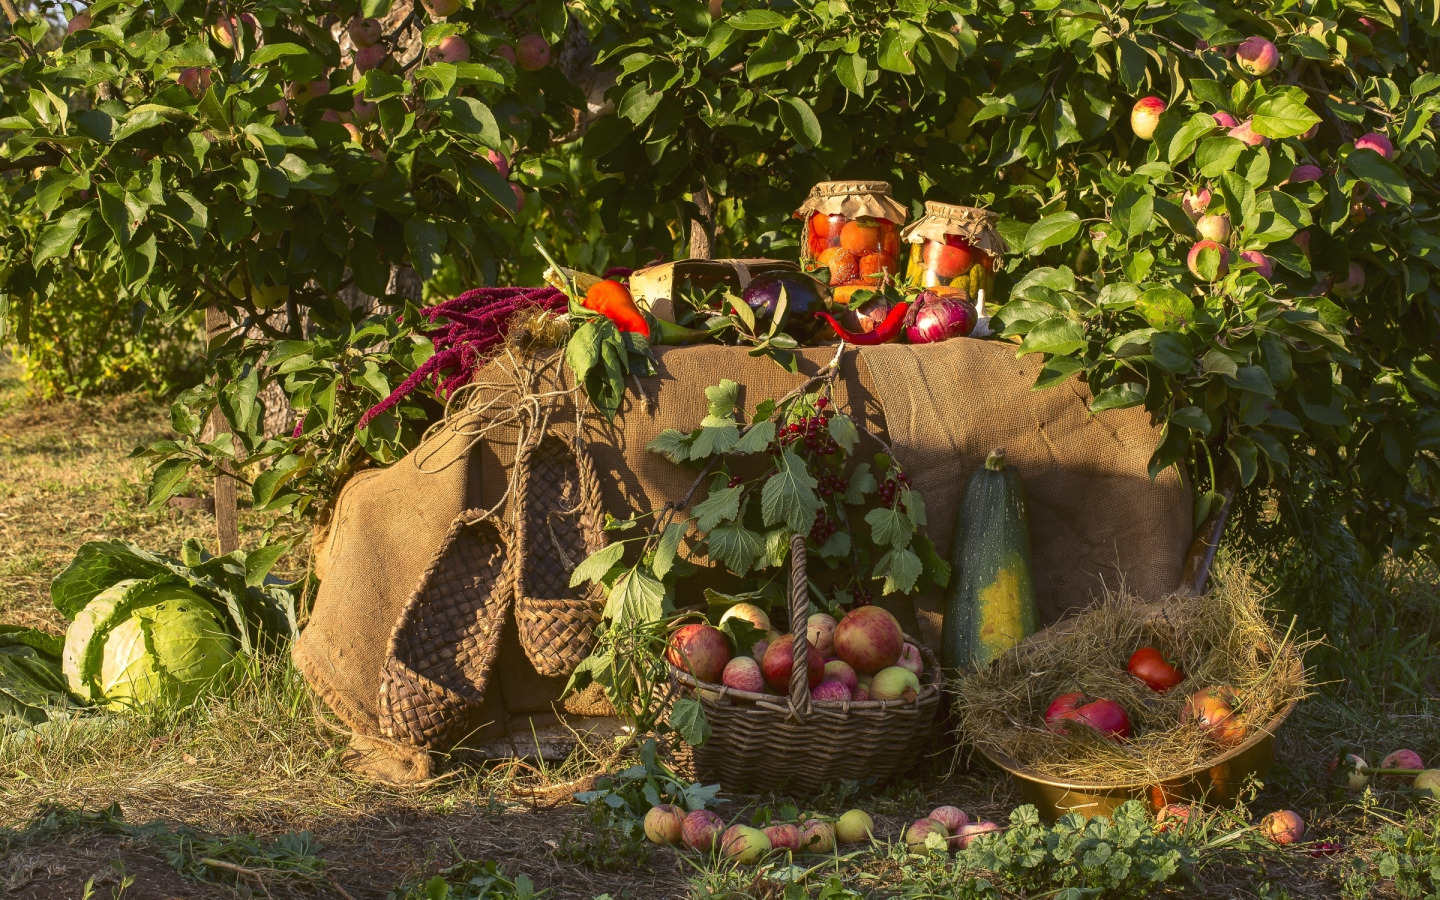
x=31 y=683
x=143 y=642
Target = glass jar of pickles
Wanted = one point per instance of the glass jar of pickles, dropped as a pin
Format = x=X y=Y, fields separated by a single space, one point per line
x=954 y=246
x=852 y=230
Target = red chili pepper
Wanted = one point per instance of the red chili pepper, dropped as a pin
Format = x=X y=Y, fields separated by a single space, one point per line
x=613 y=301
x=885 y=332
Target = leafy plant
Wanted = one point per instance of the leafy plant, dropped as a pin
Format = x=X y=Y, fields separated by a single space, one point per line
x=469 y=879
x=1407 y=861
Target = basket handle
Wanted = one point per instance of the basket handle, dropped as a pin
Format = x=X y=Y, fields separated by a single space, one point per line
x=800 y=648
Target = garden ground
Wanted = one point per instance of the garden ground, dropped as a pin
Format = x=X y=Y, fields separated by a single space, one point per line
x=248 y=797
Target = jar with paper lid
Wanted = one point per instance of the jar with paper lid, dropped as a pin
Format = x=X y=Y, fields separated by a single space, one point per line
x=852 y=229
x=954 y=246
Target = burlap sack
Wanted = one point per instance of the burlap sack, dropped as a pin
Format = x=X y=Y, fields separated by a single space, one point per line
x=1096 y=516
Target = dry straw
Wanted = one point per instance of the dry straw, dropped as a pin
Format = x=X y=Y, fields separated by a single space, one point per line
x=1223 y=638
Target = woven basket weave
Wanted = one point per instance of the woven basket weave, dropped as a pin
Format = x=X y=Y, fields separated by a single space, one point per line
x=561 y=522
x=444 y=643
x=761 y=742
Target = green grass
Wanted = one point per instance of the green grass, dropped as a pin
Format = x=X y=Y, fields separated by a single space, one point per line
x=256 y=782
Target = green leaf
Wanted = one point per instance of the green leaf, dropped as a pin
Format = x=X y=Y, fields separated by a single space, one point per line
x=862 y=483
x=850 y=71
x=672 y=444
x=901 y=569
x=756 y=439
x=1058 y=334
x=1166 y=308
x=687 y=717
x=272 y=52
x=638 y=103
x=1118 y=396
x=895 y=52
x=1381 y=174
x=889 y=527
x=755 y=20
x=166 y=479
x=1171 y=352
x=723 y=397
x=736 y=547
x=598 y=564
x=1283 y=114
x=1057 y=370
x=1239 y=196
x=789 y=495
x=1245 y=454
x=57 y=240
x=800 y=121
x=1051 y=231
x=721 y=504
x=667 y=548
x=1193 y=418
x=843 y=431
x=1218 y=155
x=1216 y=362
x=474 y=120
x=637 y=598
x=716 y=435
x=260 y=561
x=774 y=55
x=1134 y=210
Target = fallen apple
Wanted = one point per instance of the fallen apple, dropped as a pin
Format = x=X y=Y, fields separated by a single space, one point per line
x=663 y=824
x=1283 y=827
x=1403 y=759
x=701 y=830
x=952 y=817
x=817 y=837
x=1428 y=782
x=974 y=831
x=919 y=830
x=854 y=827
x=1355 y=779
x=783 y=837
x=1172 y=815
x=744 y=844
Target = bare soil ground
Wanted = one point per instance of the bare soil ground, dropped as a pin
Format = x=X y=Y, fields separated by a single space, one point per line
x=259 y=769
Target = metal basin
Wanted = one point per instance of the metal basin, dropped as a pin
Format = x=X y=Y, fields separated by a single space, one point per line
x=1216 y=784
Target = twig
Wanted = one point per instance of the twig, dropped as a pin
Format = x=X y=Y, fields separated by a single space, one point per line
x=48 y=158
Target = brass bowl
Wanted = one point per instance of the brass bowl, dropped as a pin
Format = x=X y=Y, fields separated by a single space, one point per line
x=1218 y=783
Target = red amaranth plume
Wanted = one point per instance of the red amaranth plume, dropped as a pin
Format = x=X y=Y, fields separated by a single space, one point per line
x=475 y=323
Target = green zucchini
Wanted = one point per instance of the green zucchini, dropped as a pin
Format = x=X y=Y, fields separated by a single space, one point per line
x=991 y=604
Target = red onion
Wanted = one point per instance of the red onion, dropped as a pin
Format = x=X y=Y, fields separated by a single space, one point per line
x=939 y=317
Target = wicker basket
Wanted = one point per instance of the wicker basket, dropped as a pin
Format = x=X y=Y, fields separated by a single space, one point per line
x=761 y=742
x=560 y=523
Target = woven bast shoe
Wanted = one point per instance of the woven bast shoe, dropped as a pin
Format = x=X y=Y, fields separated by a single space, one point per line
x=561 y=522
x=443 y=646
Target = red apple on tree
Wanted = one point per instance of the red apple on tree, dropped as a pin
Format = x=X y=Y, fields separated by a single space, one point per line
x=532 y=52
x=374 y=57
x=1196 y=260
x=1247 y=135
x=196 y=80
x=441 y=8
x=1195 y=202
x=1215 y=227
x=1257 y=56
x=1305 y=172
x=79 y=22
x=1224 y=119
x=1352 y=284
x=365 y=32
x=1377 y=142
x=1145 y=115
x=451 y=49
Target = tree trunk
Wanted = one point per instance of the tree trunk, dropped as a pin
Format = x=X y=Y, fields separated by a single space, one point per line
x=702 y=227
x=227 y=511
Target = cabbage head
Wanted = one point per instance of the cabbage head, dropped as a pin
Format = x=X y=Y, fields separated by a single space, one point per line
x=145 y=642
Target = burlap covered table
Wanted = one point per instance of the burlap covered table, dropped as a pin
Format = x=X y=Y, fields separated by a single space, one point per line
x=1096 y=516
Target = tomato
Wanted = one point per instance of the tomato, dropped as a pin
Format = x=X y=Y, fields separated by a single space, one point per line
x=1063 y=704
x=1213 y=709
x=1150 y=666
x=1105 y=716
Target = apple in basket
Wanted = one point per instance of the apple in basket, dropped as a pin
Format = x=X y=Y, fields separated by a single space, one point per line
x=820 y=632
x=841 y=671
x=747 y=612
x=910 y=659
x=869 y=639
x=895 y=683
x=702 y=650
x=743 y=674
x=780 y=659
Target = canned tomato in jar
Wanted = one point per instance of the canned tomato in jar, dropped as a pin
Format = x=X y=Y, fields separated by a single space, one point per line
x=852 y=231
x=954 y=246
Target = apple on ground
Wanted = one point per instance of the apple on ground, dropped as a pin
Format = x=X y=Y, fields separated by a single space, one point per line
x=974 y=831
x=1172 y=815
x=1145 y=116
x=663 y=824
x=817 y=837
x=701 y=830
x=699 y=649
x=1283 y=827
x=744 y=844
x=1428 y=782
x=1403 y=759
x=1355 y=779
x=869 y=639
x=783 y=837
x=854 y=827
x=920 y=829
x=952 y=817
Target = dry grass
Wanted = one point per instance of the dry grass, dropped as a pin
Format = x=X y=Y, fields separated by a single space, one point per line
x=1225 y=638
